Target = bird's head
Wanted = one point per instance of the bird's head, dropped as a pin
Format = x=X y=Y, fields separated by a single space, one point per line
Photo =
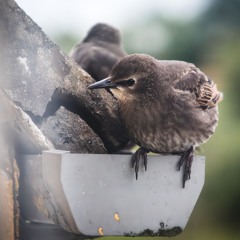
x=103 y=32
x=132 y=77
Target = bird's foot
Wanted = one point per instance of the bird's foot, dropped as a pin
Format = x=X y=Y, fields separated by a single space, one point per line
x=187 y=158
x=136 y=157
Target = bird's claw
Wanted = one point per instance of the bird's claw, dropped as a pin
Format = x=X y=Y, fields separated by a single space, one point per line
x=136 y=157
x=186 y=158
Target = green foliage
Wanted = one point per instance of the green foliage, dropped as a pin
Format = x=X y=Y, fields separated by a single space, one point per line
x=66 y=41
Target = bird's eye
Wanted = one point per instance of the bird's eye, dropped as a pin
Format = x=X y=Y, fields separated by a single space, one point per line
x=130 y=82
x=127 y=83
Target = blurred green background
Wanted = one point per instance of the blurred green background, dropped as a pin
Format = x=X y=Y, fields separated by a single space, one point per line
x=211 y=40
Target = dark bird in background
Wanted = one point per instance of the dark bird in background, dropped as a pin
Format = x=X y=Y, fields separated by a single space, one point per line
x=99 y=51
x=166 y=106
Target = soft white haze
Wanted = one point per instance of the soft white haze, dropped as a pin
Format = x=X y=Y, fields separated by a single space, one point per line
x=56 y=16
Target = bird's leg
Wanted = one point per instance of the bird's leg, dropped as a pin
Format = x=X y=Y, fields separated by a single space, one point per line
x=136 y=157
x=186 y=158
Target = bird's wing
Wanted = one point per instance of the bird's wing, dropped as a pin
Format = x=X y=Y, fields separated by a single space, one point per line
x=205 y=90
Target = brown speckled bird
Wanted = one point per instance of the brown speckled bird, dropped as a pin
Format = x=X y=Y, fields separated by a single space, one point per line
x=166 y=106
x=99 y=50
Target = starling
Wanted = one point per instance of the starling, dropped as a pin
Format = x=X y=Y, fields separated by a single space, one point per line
x=168 y=107
x=99 y=51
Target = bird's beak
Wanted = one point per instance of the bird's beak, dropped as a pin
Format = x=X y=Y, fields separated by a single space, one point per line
x=105 y=83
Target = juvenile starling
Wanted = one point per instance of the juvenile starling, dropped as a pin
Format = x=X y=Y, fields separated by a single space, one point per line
x=166 y=106
x=99 y=51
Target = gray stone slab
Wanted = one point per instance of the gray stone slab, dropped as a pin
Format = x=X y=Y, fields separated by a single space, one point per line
x=69 y=132
x=40 y=78
x=18 y=128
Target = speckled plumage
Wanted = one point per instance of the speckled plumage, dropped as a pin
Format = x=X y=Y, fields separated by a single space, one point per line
x=166 y=110
x=99 y=50
x=166 y=106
